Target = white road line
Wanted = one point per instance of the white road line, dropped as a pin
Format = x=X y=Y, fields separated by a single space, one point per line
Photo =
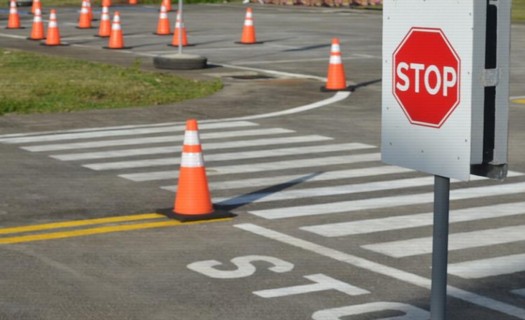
x=151 y=140
x=414 y=220
x=123 y=132
x=309 y=177
x=387 y=271
x=491 y=267
x=232 y=156
x=327 y=191
x=457 y=241
x=258 y=167
x=520 y=292
x=386 y=202
x=176 y=149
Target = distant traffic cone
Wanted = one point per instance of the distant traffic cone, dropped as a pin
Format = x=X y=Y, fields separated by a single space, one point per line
x=179 y=35
x=104 y=29
x=84 y=22
x=106 y=3
x=336 y=79
x=36 y=5
x=248 y=30
x=193 y=200
x=116 y=39
x=37 y=32
x=14 y=19
x=132 y=2
x=163 y=26
x=53 y=33
x=167 y=5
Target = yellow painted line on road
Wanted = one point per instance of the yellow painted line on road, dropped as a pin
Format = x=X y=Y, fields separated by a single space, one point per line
x=101 y=230
x=519 y=101
x=79 y=223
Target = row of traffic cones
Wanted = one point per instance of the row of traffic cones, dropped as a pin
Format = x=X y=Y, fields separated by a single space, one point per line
x=336 y=79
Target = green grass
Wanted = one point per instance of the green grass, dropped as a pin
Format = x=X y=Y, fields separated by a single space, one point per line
x=32 y=83
x=518 y=11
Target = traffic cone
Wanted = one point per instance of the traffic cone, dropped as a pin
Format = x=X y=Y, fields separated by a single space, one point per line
x=167 y=5
x=37 y=32
x=193 y=200
x=132 y=2
x=53 y=33
x=336 y=79
x=84 y=22
x=104 y=29
x=14 y=19
x=90 y=9
x=36 y=5
x=116 y=39
x=180 y=32
x=106 y=3
x=248 y=30
x=163 y=26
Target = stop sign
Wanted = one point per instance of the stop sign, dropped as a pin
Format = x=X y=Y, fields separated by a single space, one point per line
x=426 y=76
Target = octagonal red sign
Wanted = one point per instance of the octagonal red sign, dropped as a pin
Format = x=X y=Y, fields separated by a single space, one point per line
x=426 y=77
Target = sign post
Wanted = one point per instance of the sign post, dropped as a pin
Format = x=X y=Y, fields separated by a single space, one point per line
x=445 y=101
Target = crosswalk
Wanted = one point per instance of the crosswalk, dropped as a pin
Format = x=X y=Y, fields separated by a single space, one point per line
x=278 y=173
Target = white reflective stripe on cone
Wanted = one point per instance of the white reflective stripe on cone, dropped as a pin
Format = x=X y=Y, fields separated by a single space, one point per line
x=192 y=160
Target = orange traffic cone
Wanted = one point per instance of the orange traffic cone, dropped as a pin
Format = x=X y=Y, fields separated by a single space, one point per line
x=167 y=5
x=90 y=10
x=53 y=33
x=248 y=31
x=84 y=22
x=133 y=2
x=36 y=5
x=14 y=19
x=104 y=29
x=193 y=200
x=179 y=35
x=163 y=26
x=106 y=3
x=336 y=79
x=37 y=32
x=116 y=39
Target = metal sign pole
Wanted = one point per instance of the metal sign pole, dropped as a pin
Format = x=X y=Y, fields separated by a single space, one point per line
x=179 y=13
x=438 y=299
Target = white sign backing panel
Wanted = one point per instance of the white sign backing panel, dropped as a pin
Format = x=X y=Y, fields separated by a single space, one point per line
x=449 y=147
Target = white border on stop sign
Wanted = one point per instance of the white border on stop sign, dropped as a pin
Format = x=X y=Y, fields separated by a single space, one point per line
x=450 y=149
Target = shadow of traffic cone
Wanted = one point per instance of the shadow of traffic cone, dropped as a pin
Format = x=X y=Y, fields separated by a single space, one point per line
x=336 y=79
x=36 y=5
x=84 y=21
x=106 y=3
x=53 y=33
x=37 y=31
x=163 y=26
x=104 y=29
x=116 y=38
x=167 y=5
x=179 y=35
x=13 y=21
x=248 y=30
x=193 y=200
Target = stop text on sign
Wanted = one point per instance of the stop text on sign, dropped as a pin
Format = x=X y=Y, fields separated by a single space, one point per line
x=426 y=77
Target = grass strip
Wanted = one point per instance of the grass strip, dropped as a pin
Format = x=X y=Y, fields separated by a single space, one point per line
x=33 y=83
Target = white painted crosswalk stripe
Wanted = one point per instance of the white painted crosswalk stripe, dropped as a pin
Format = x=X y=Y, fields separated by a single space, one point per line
x=414 y=220
x=386 y=202
x=151 y=140
x=520 y=292
x=120 y=132
x=457 y=241
x=313 y=177
x=476 y=269
x=258 y=167
x=175 y=149
x=232 y=156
